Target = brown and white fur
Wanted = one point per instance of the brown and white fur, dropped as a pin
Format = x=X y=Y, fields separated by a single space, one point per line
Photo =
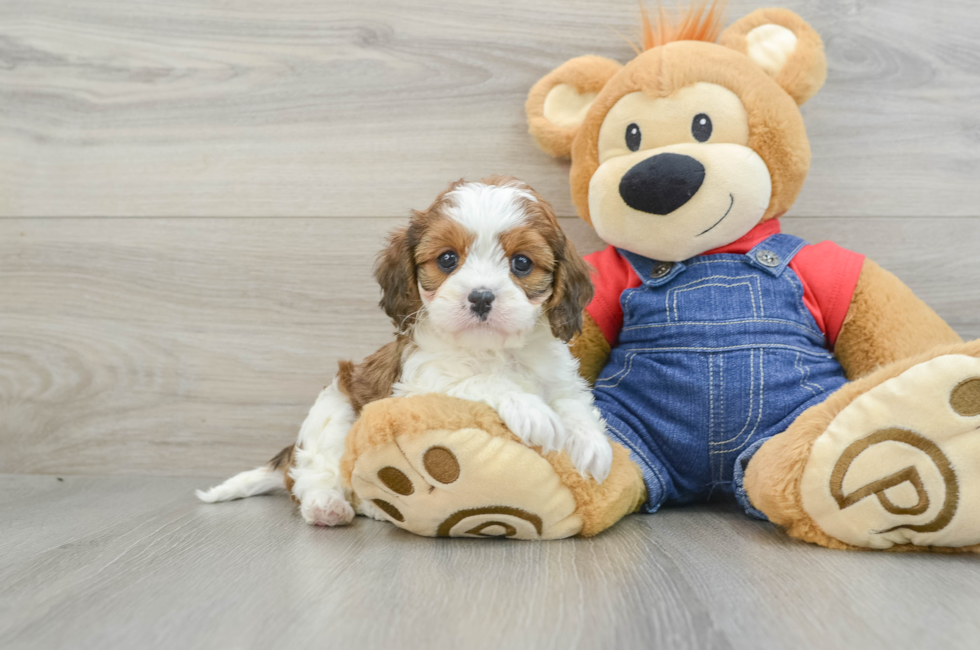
x=485 y=292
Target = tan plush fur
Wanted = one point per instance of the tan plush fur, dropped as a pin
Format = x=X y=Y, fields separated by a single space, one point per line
x=887 y=329
x=699 y=23
x=587 y=74
x=591 y=349
x=805 y=72
x=776 y=127
x=773 y=476
x=887 y=322
x=386 y=421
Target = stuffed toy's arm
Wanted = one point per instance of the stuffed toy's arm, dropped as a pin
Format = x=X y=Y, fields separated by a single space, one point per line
x=591 y=349
x=886 y=322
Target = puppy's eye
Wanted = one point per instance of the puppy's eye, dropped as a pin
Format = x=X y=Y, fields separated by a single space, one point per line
x=701 y=127
x=633 y=137
x=521 y=265
x=447 y=261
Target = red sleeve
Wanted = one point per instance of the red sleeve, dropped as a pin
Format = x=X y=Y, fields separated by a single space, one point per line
x=829 y=274
x=612 y=276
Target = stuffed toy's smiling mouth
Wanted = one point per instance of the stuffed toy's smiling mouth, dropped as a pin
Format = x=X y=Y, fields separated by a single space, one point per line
x=730 y=196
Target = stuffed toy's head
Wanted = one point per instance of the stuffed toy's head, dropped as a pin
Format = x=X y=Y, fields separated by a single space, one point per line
x=694 y=142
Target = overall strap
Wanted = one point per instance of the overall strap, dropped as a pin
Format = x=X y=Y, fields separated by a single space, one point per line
x=774 y=253
x=652 y=272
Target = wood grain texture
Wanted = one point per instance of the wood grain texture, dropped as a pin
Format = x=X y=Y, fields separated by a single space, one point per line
x=335 y=108
x=196 y=346
x=126 y=562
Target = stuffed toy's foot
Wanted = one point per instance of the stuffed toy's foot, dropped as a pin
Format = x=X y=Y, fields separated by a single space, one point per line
x=444 y=467
x=891 y=461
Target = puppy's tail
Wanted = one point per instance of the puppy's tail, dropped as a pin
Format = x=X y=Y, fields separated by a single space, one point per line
x=260 y=480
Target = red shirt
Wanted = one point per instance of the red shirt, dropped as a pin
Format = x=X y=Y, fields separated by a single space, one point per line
x=828 y=272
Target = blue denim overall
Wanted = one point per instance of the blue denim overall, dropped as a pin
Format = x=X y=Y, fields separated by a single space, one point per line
x=717 y=354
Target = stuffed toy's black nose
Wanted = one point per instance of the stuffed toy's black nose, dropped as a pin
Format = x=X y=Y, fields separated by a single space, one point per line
x=662 y=183
x=480 y=301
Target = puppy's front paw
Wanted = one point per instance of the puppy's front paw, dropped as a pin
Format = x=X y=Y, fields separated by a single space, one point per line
x=533 y=421
x=326 y=508
x=589 y=449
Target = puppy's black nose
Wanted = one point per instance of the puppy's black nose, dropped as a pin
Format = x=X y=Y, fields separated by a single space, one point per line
x=480 y=300
x=662 y=183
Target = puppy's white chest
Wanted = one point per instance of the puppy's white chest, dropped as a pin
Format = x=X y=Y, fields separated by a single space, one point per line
x=445 y=373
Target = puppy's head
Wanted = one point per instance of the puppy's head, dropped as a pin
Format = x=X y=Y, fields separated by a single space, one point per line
x=485 y=263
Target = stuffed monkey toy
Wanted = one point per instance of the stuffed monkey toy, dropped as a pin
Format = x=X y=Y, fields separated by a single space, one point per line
x=726 y=356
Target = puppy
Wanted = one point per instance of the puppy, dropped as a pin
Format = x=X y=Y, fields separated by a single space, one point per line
x=485 y=292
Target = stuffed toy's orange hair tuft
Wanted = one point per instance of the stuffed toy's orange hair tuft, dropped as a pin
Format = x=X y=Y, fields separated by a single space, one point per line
x=698 y=23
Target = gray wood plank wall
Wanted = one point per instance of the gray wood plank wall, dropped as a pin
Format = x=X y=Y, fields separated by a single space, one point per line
x=191 y=194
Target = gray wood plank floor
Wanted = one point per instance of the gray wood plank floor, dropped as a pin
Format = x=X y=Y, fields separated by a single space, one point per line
x=120 y=562
x=196 y=346
x=127 y=562
x=331 y=107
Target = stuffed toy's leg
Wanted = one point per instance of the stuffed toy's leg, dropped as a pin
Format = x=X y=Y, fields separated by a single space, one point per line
x=444 y=467
x=891 y=461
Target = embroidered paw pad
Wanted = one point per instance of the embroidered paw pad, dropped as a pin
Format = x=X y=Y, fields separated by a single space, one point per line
x=465 y=483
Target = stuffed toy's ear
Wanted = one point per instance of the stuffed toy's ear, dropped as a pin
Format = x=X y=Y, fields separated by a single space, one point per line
x=557 y=104
x=785 y=46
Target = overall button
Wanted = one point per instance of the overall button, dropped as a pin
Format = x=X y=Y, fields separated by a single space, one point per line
x=767 y=258
x=660 y=269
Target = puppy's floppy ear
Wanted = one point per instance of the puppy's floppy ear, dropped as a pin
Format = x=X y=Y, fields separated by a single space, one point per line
x=784 y=46
x=572 y=290
x=395 y=272
x=557 y=104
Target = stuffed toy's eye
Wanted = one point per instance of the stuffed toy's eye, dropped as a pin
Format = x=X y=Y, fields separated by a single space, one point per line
x=447 y=261
x=701 y=127
x=521 y=265
x=633 y=137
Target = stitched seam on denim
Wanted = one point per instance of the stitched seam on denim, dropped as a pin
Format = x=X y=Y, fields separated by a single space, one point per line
x=711 y=395
x=797 y=293
x=627 y=368
x=751 y=402
x=748 y=418
x=716 y=277
x=711 y=410
x=739 y=260
x=721 y=362
x=729 y=322
x=758 y=421
x=628 y=257
x=762 y=399
x=801 y=308
x=674 y=291
x=629 y=357
x=626 y=305
x=717 y=465
x=762 y=298
x=646 y=461
x=805 y=376
x=721 y=359
x=747 y=346
x=776 y=248
x=741 y=494
x=796 y=250
x=789 y=258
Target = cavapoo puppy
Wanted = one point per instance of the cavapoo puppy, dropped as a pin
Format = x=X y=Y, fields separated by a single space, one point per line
x=485 y=292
